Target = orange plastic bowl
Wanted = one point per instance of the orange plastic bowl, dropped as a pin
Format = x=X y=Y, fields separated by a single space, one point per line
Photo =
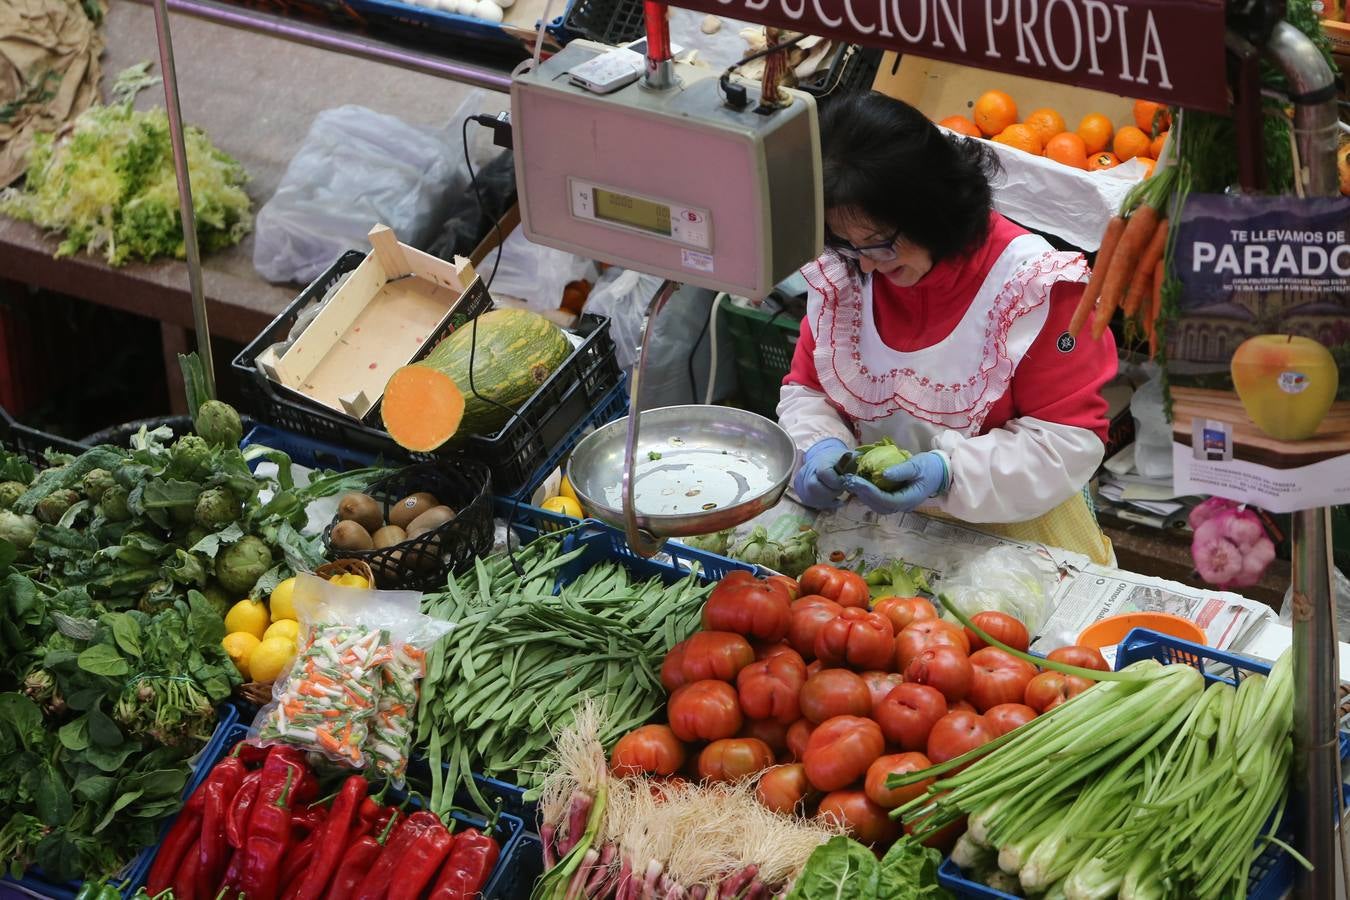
x=1112 y=630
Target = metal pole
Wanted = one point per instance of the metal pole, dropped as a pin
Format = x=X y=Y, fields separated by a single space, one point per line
x=1316 y=670
x=640 y=541
x=189 y=219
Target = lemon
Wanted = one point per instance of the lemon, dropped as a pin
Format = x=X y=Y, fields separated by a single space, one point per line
x=269 y=658
x=565 y=506
x=249 y=616
x=287 y=629
x=353 y=581
x=281 y=603
x=565 y=490
x=240 y=646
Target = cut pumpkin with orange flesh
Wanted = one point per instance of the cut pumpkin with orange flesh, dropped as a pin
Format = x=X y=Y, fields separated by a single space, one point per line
x=422 y=408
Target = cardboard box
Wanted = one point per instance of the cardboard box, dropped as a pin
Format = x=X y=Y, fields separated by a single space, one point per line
x=1037 y=193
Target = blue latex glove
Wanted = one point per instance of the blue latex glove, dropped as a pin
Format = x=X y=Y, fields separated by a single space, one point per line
x=922 y=476
x=816 y=483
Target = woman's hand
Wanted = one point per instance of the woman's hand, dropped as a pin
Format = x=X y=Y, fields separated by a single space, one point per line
x=921 y=477
x=817 y=484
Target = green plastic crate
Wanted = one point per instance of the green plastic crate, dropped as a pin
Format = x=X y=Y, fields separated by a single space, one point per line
x=764 y=345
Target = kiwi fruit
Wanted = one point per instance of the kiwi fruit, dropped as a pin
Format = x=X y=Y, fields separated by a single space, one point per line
x=410 y=507
x=349 y=535
x=430 y=520
x=361 y=509
x=388 y=536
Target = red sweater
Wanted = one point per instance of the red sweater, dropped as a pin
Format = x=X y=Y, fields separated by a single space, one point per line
x=1049 y=383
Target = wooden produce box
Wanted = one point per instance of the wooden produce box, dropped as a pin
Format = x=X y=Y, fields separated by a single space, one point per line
x=390 y=311
x=1035 y=192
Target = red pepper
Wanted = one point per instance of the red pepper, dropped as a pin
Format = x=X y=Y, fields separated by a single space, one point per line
x=419 y=865
x=298 y=861
x=334 y=836
x=307 y=819
x=186 y=829
x=376 y=884
x=249 y=754
x=236 y=819
x=213 y=848
x=357 y=860
x=185 y=879
x=269 y=837
x=470 y=865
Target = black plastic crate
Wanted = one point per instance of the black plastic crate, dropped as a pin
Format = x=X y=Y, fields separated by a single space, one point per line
x=32 y=443
x=513 y=454
x=852 y=69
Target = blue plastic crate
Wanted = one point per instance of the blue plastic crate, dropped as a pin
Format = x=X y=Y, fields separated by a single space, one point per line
x=135 y=871
x=305 y=451
x=612 y=406
x=1273 y=872
x=523 y=869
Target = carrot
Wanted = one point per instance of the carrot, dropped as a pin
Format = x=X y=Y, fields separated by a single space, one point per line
x=1155 y=307
x=1094 y=286
x=1140 y=227
x=1143 y=272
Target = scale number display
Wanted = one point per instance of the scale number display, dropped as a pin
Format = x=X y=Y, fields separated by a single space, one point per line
x=685 y=225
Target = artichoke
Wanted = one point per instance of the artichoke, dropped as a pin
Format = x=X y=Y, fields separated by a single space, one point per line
x=216 y=508
x=113 y=504
x=758 y=550
x=875 y=459
x=798 y=553
x=189 y=457
x=219 y=424
x=52 y=507
x=158 y=597
x=717 y=542
x=240 y=565
x=11 y=491
x=96 y=483
x=216 y=596
x=18 y=530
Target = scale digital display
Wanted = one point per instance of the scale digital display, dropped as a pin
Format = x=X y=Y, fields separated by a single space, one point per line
x=626 y=210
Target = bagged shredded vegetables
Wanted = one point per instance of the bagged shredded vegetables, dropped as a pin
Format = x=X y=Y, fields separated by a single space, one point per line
x=351 y=692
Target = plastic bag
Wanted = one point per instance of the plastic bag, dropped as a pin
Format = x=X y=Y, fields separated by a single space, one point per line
x=467 y=223
x=1340 y=591
x=1005 y=579
x=358 y=168
x=534 y=273
x=328 y=698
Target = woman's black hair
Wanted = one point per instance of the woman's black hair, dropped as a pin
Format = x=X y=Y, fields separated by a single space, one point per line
x=885 y=161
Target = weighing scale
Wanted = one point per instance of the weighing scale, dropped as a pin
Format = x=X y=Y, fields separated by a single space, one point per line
x=701 y=179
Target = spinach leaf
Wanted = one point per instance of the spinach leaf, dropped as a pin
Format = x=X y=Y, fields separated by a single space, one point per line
x=121 y=803
x=110 y=760
x=95 y=790
x=126 y=631
x=102 y=659
x=51 y=797
x=909 y=872
x=839 y=869
x=74 y=735
x=24 y=717
x=103 y=732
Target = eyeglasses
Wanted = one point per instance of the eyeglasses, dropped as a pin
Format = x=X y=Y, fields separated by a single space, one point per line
x=883 y=252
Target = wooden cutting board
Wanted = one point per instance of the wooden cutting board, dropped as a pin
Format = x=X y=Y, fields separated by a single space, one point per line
x=1250 y=444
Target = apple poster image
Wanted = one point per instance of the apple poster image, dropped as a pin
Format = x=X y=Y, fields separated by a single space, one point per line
x=1213 y=441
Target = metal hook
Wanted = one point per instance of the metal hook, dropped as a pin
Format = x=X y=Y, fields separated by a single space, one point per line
x=642 y=541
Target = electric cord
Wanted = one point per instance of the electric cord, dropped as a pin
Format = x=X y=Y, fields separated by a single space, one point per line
x=712 y=347
x=689 y=362
x=735 y=94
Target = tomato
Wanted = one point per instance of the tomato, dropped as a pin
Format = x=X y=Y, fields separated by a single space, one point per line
x=1008 y=717
x=766 y=650
x=999 y=677
x=904 y=611
x=798 y=734
x=751 y=608
x=840 y=585
x=858 y=639
x=957 y=733
x=908 y=714
x=814 y=669
x=880 y=684
x=1083 y=657
x=808 y=615
x=783 y=789
x=944 y=839
x=653 y=749
x=866 y=822
x=961 y=706
x=767 y=730
x=896 y=764
x=789 y=585
x=768 y=689
x=841 y=750
x=704 y=711
x=733 y=759
x=945 y=668
x=834 y=692
x=999 y=626
x=718 y=655
x=1049 y=689
x=924 y=633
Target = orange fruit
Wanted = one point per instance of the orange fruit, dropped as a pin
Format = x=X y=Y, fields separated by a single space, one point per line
x=1023 y=138
x=994 y=111
x=1045 y=122
x=1095 y=130
x=961 y=125
x=1130 y=142
x=1148 y=165
x=1151 y=118
x=1068 y=149
x=1155 y=148
x=1104 y=160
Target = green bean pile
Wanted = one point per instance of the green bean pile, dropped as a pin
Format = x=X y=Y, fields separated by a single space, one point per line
x=521 y=660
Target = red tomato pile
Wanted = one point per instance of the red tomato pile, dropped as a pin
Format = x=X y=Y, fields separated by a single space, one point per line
x=827 y=693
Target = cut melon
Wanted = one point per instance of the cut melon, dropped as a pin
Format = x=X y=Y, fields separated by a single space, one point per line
x=422 y=408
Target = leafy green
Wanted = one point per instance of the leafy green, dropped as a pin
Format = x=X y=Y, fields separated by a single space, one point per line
x=110 y=186
x=909 y=872
x=839 y=869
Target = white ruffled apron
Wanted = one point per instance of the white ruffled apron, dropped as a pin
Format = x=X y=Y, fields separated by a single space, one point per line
x=912 y=396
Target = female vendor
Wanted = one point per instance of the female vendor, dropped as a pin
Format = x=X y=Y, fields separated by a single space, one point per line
x=936 y=322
